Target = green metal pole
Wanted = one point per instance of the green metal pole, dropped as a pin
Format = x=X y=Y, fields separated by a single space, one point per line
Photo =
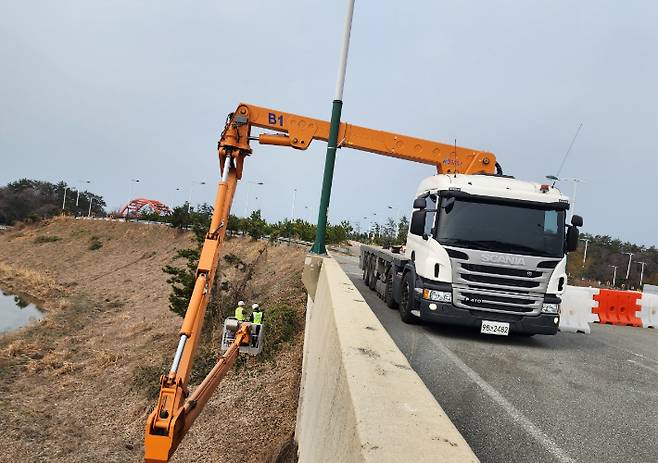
x=327 y=179
x=330 y=160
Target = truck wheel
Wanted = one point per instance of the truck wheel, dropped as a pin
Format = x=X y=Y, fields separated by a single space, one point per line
x=407 y=299
x=372 y=278
x=388 y=295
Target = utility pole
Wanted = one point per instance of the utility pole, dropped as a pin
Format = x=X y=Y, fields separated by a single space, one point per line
x=614 y=275
x=630 y=258
x=330 y=160
x=586 y=241
x=642 y=272
x=91 y=200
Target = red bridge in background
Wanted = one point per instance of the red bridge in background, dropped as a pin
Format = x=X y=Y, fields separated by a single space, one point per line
x=136 y=206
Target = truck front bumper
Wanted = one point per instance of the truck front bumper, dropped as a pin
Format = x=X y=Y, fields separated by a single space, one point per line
x=526 y=324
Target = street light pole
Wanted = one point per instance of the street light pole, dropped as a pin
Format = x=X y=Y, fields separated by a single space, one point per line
x=575 y=181
x=246 y=206
x=630 y=258
x=586 y=241
x=189 y=200
x=130 y=195
x=64 y=202
x=642 y=264
x=332 y=142
x=77 y=197
x=614 y=275
x=292 y=212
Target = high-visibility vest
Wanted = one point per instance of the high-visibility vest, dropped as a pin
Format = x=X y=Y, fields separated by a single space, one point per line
x=239 y=313
x=258 y=317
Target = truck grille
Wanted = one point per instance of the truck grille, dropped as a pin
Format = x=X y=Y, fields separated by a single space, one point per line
x=504 y=288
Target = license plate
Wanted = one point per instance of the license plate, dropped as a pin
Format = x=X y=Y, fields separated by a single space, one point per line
x=498 y=328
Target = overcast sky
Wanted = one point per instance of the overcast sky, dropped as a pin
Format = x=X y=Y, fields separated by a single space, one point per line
x=113 y=90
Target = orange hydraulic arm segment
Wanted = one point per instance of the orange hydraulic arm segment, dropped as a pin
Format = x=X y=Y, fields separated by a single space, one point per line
x=300 y=131
x=176 y=410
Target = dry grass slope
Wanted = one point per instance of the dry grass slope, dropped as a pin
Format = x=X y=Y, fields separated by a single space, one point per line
x=77 y=386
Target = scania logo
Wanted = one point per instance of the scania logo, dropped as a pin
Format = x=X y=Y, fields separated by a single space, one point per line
x=500 y=259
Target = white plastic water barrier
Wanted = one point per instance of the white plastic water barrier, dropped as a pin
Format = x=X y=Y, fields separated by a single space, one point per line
x=648 y=309
x=576 y=309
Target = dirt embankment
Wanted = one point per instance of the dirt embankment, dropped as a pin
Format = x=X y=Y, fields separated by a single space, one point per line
x=77 y=386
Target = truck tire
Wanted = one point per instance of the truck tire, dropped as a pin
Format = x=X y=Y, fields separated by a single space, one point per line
x=388 y=295
x=372 y=278
x=407 y=299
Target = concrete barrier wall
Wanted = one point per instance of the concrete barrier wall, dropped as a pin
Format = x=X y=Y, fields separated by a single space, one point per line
x=360 y=401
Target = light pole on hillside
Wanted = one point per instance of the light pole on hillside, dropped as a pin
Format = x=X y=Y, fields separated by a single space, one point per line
x=628 y=269
x=575 y=181
x=641 y=272
x=614 y=275
x=246 y=204
x=586 y=241
x=77 y=197
x=64 y=201
x=330 y=159
x=133 y=181
x=189 y=201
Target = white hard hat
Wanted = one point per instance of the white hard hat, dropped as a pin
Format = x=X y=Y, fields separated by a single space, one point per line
x=241 y=304
x=255 y=306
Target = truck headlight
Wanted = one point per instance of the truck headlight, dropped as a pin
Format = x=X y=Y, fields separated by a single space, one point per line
x=438 y=296
x=550 y=308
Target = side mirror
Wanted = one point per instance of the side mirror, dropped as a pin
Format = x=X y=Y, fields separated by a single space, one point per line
x=417 y=223
x=576 y=221
x=420 y=203
x=572 y=238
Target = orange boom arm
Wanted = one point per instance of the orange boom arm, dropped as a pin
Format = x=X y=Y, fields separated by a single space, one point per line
x=300 y=131
x=177 y=409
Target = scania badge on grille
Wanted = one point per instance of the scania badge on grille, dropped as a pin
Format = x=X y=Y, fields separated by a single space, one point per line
x=502 y=259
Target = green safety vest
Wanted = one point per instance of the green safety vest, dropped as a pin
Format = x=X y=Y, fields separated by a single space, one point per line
x=258 y=317
x=239 y=313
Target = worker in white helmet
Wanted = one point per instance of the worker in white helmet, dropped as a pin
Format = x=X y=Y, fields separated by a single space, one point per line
x=239 y=311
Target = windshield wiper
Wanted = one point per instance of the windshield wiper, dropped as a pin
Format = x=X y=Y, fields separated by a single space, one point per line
x=494 y=245
x=472 y=244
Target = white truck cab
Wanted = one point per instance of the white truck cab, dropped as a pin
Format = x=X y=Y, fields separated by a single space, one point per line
x=483 y=250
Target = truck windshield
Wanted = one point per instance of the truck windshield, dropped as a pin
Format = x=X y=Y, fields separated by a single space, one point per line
x=503 y=227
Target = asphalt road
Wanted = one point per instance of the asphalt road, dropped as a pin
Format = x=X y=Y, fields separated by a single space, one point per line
x=563 y=398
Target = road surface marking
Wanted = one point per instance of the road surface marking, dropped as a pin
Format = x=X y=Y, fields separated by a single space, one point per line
x=628 y=351
x=640 y=365
x=516 y=415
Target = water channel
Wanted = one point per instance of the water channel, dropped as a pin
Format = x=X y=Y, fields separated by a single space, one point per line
x=16 y=312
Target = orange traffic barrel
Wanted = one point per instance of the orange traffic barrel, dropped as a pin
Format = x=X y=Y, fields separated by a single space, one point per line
x=618 y=307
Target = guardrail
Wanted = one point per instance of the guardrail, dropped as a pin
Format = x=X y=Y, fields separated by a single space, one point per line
x=360 y=401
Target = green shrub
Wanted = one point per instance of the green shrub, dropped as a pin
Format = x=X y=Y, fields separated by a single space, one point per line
x=95 y=243
x=46 y=239
x=282 y=323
